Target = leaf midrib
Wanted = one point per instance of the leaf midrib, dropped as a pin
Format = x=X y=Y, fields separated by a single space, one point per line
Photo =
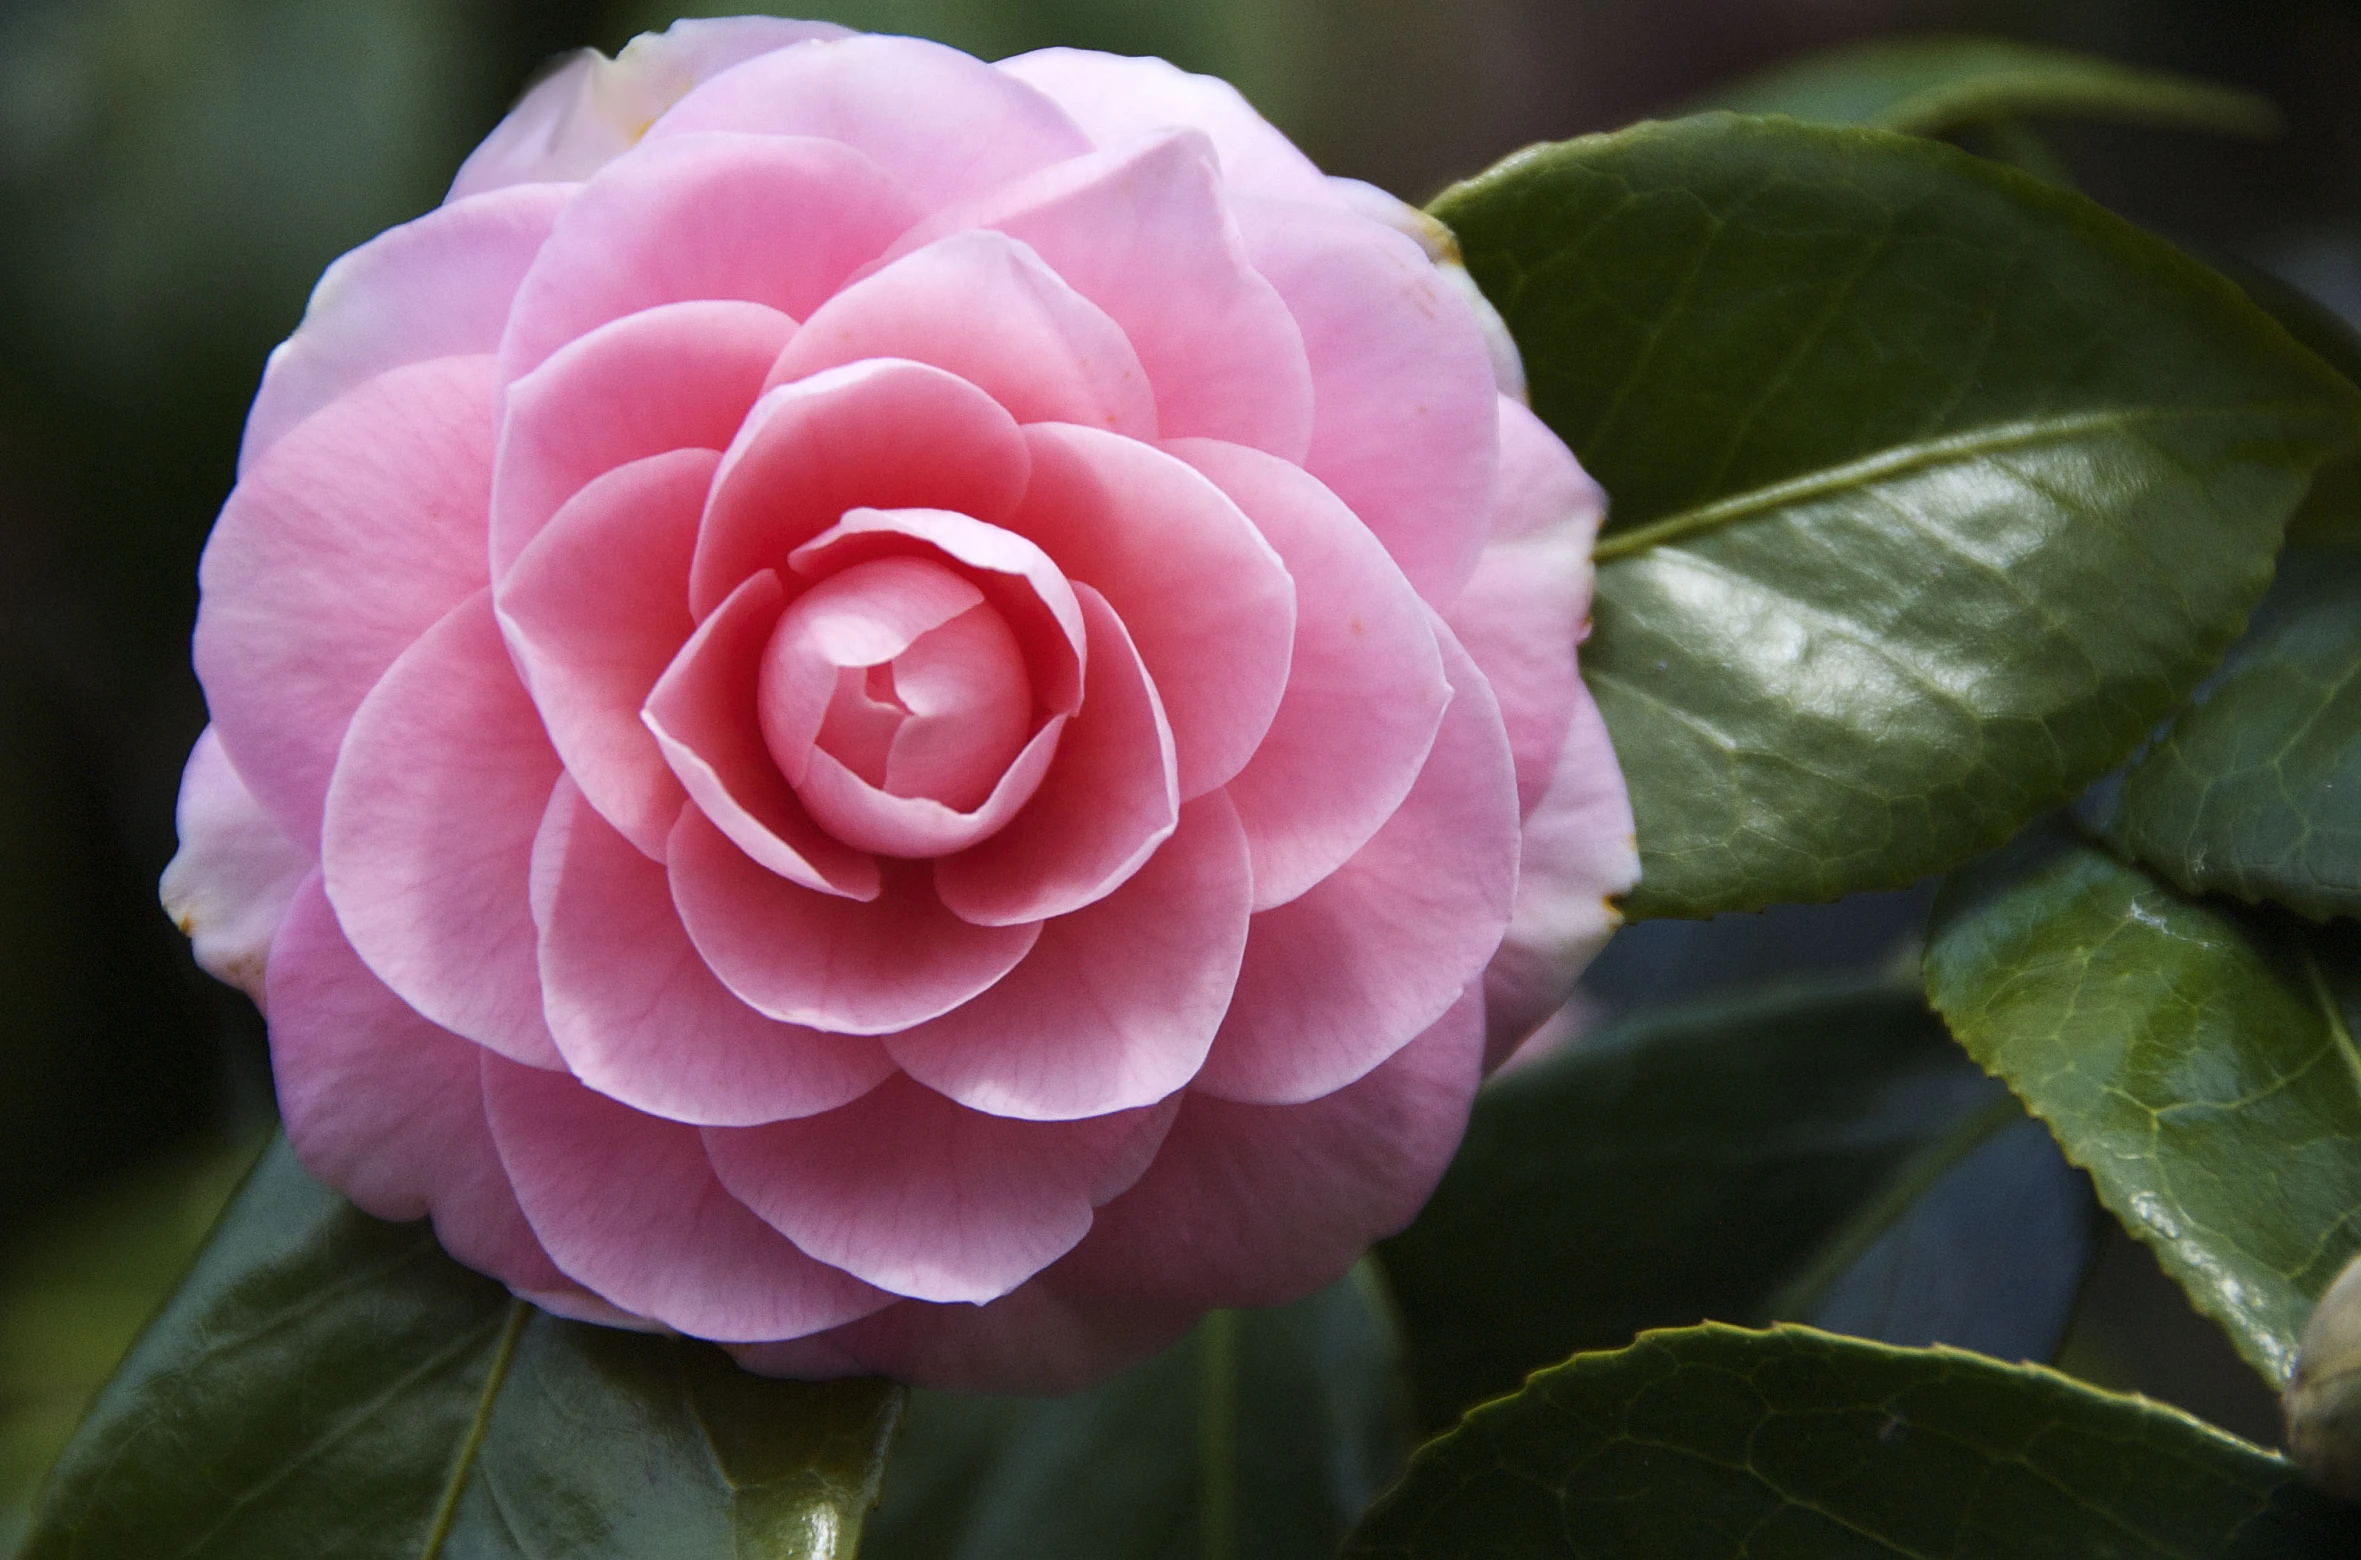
x=1918 y=455
x=463 y=1467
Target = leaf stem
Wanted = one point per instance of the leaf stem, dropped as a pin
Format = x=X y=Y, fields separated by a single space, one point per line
x=1217 y=1435
x=1914 y=1180
x=504 y=1351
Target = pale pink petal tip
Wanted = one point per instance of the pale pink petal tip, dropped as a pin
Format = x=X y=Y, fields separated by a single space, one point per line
x=229 y=886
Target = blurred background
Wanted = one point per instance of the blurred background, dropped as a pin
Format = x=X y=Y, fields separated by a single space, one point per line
x=175 y=173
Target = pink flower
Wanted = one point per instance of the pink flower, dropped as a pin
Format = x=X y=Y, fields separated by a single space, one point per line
x=887 y=709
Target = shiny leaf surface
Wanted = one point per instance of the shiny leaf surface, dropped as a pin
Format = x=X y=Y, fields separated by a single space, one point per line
x=1717 y=1444
x=1731 y=1160
x=1263 y=1435
x=2256 y=792
x=1933 y=85
x=1934 y=487
x=326 y=1384
x=2197 y=1060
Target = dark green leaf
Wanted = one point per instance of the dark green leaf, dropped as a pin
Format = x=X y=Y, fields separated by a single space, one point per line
x=1935 y=488
x=1934 y=85
x=325 y=1384
x=1716 y=1444
x=2331 y=512
x=1262 y=1436
x=2196 y=1059
x=1681 y=1166
x=2256 y=791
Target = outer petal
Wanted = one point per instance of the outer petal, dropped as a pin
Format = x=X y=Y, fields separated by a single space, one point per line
x=1579 y=852
x=984 y=307
x=627 y=1204
x=385 y=1106
x=942 y=122
x=636 y=1013
x=1118 y=101
x=228 y=887
x=703 y=713
x=1405 y=420
x=436 y=287
x=428 y=842
x=777 y=220
x=1365 y=686
x=1144 y=234
x=592 y=108
x=594 y=610
x=350 y=539
x=1519 y=618
x=1262 y=1204
x=1036 y=1341
x=844 y=965
x=679 y=376
x=1340 y=979
x=1542 y=486
x=1117 y=1004
x=930 y=1200
x=1201 y=593
x=1108 y=801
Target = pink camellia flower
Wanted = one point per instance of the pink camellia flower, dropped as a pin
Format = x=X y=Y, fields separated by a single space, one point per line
x=915 y=715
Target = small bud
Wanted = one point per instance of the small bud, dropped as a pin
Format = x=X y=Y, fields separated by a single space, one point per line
x=2323 y=1400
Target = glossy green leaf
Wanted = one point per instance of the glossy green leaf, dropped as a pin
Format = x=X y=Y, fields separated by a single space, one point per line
x=1685 y=1165
x=1262 y=1436
x=326 y=1384
x=1934 y=85
x=1719 y=1444
x=2256 y=791
x=2331 y=513
x=2197 y=1059
x=1934 y=487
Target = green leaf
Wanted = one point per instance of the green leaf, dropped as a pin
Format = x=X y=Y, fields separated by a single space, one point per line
x=1262 y=1436
x=1682 y=1166
x=2256 y=791
x=2197 y=1059
x=2331 y=512
x=325 y=1384
x=1935 y=85
x=1935 y=488
x=1716 y=1444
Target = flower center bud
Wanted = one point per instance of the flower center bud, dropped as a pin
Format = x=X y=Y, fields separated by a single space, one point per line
x=899 y=670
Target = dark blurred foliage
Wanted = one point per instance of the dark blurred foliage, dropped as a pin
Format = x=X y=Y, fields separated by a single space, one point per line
x=174 y=173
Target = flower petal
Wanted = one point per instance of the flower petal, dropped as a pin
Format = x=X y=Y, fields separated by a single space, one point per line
x=439 y=286
x=636 y=1013
x=594 y=610
x=387 y=1107
x=1579 y=852
x=1143 y=233
x=849 y=966
x=428 y=841
x=1365 y=686
x=228 y=886
x=1117 y=1005
x=885 y=434
x=1118 y=101
x=984 y=307
x=1322 y=1180
x=1519 y=618
x=1338 y=980
x=1203 y=596
x=1542 y=486
x=592 y=108
x=942 y=122
x=353 y=536
x=781 y=221
x=1405 y=418
x=928 y=1199
x=627 y=1203
x=704 y=713
x=679 y=376
x=1108 y=801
